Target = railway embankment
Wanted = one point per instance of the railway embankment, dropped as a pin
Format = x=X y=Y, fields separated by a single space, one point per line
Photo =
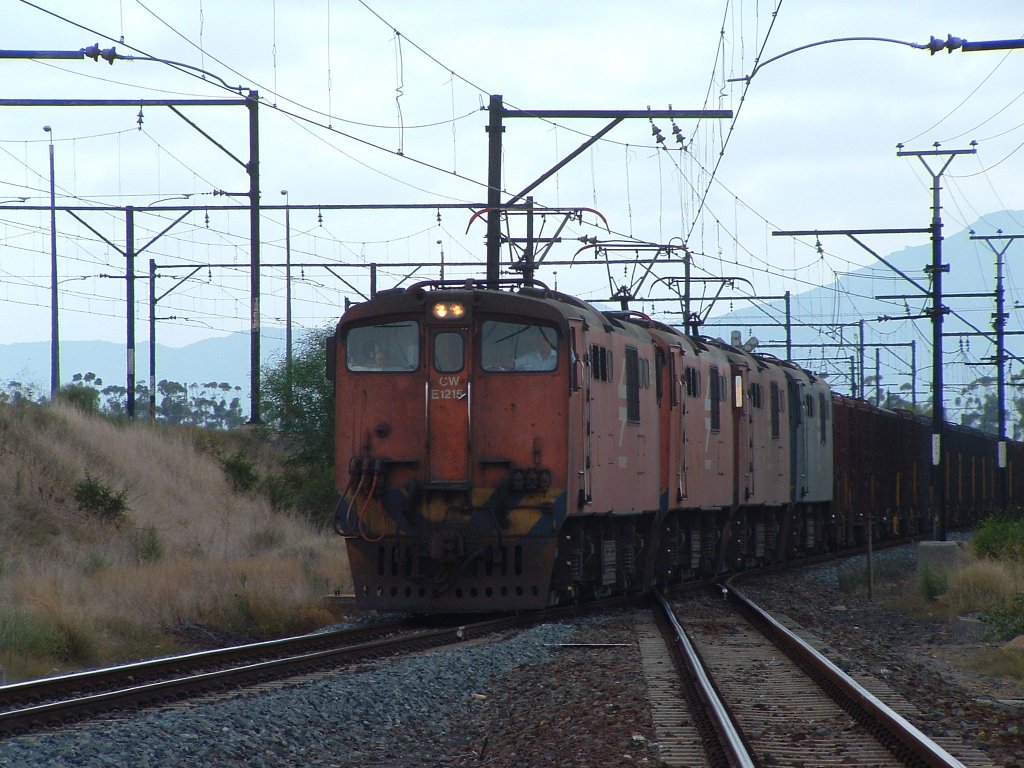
x=122 y=541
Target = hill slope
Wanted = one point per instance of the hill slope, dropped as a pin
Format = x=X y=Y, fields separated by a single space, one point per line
x=80 y=587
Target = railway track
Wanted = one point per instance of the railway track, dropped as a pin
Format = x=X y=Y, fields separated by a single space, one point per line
x=33 y=692
x=749 y=704
x=759 y=695
x=57 y=702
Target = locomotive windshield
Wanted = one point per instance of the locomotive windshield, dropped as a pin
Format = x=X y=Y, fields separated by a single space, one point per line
x=383 y=347
x=518 y=347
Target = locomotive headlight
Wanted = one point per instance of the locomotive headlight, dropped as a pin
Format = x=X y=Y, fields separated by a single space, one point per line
x=531 y=480
x=451 y=311
x=518 y=480
x=544 y=479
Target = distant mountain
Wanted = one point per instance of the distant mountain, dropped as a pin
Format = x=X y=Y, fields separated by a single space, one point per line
x=825 y=331
x=220 y=359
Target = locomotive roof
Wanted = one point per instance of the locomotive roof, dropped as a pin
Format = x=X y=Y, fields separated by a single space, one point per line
x=539 y=301
x=513 y=297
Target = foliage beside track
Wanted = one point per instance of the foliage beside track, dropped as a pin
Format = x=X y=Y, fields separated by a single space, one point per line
x=298 y=405
x=1001 y=537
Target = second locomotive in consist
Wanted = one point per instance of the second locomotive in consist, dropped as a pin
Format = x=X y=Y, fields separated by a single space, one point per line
x=509 y=449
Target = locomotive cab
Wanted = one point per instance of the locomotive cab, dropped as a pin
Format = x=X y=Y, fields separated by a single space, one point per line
x=450 y=447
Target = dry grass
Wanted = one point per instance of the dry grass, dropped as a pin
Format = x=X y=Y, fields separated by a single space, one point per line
x=975 y=586
x=984 y=585
x=989 y=589
x=1000 y=662
x=76 y=590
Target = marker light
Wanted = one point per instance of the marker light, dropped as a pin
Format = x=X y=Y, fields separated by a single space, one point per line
x=738 y=391
x=449 y=311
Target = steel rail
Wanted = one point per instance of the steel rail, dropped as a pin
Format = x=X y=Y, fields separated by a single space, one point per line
x=729 y=737
x=132 y=695
x=14 y=695
x=906 y=741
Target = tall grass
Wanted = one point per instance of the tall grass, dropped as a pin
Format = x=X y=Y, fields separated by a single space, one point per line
x=189 y=550
x=983 y=585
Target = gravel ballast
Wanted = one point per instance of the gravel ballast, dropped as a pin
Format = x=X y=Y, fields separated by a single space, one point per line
x=555 y=695
x=395 y=710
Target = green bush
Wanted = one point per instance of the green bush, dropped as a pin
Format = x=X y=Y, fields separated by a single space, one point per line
x=84 y=398
x=934 y=582
x=148 y=546
x=1001 y=537
x=96 y=497
x=73 y=644
x=95 y=564
x=1008 y=622
x=308 y=488
x=240 y=471
x=23 y=634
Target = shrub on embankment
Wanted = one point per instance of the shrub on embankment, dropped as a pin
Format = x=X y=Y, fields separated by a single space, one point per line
x=999 y=546
x=128 y=540
x=984 y=590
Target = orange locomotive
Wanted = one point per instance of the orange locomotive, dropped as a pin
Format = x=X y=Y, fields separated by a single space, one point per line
x=510 y=449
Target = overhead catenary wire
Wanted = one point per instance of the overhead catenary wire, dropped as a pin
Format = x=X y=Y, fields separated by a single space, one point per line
x=774 y=269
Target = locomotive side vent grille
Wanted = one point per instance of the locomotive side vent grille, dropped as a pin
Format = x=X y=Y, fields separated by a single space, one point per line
x=626 y=558
x=608 y=562
x=695 y=547
x=576 y=565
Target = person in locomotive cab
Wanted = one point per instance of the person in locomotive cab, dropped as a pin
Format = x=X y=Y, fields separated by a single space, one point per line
x=538 y=352
x=373 y=357
x=380 y=359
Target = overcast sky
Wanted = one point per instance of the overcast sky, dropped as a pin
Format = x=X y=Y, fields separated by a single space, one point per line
x=379 y=102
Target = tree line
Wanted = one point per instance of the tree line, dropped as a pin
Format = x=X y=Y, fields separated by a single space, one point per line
x=215 y=405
